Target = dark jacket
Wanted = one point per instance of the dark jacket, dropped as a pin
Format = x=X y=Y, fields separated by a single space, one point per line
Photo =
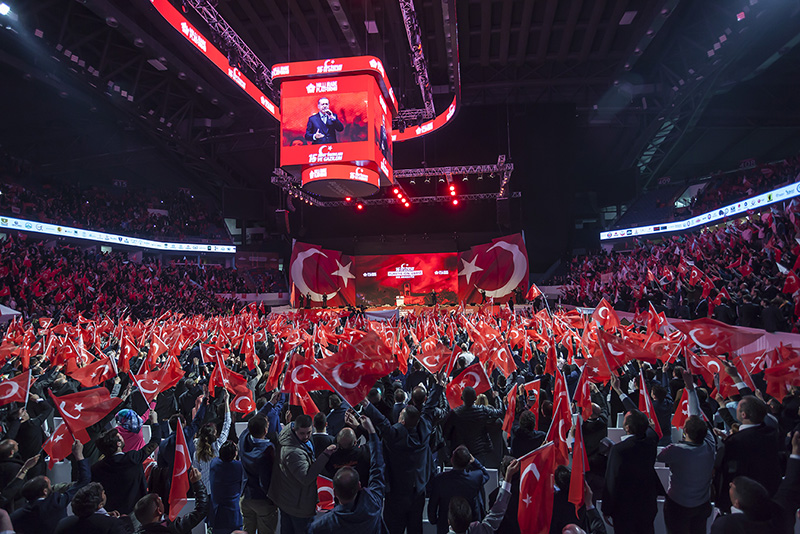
x=525 y=441
x=122 y=475
x=467 y=425
x=293 y=488
x=257 y=456
x=631 y=484
x=43 y=515
x=365 y=514
x=409 y=461
x=777 y=519
x=358 y=458
x=94 y=524
x=225 y=490
x=166 y=451
x=467 y=483
x=185 y=524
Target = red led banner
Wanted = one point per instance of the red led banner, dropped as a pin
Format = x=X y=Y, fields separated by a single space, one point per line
x=406 y=279
x=191 y=34
x=340 y=180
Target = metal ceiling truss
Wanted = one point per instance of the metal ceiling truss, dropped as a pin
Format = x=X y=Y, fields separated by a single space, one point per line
x=233 y=44
x=291 y=185
x=418 y=60
x=689 y=76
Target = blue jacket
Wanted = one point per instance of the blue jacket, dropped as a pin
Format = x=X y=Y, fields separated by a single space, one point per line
x=226 y=487
x=456 y=483
x=257 y=456
x=365 y=514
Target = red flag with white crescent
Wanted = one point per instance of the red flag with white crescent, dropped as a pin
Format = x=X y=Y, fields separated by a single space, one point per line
x=472 y=376
x=682 y=413
x=511 y=401
x=646 y=406
x=495 y=269
x=536 y=490
x=324 y=494
x=85 y=408
x=15 y=389
x=322 y=275
x=579 y=464
x=180 y=474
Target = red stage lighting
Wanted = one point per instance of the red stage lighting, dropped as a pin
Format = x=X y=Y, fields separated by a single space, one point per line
x=455 y=202
x=452 y=187
x=406 y=204
x=395 y=191
x=453 y=193
x=347 y=199
x=359 y=206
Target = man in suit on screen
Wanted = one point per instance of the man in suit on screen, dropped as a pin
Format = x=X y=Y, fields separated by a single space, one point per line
x=322 y=127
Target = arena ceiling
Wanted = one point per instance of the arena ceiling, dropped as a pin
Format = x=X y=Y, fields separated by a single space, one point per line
x=106 y=86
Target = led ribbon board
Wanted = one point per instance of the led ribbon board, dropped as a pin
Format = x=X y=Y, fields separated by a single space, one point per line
x=190 y=33
x=109 y=239
x=759 y=201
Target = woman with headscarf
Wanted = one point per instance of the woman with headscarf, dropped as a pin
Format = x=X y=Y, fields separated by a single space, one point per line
x=129 y=426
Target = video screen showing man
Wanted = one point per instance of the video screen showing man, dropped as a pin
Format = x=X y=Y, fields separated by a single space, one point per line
x=322 y=126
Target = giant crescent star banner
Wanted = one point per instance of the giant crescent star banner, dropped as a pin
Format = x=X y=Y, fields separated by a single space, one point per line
x=497 y=270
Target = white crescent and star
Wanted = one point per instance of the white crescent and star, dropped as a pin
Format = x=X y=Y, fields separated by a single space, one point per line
x=469 y=268
x=63 y=409
x=614 y=352
x=699 y=344
x=14 y=389
x=240 y=399
x=297 y=275
x=295 y=371
x=344 y=272
x=518 y=274
x=181 y=449
x=338 y=378
x=715 y=364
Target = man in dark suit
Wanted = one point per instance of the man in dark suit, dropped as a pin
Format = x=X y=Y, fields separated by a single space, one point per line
x=408 y=462
x=45 y=507
x=320 y=438
x=399 y=404
x=468 y=425
x=90 y=517
x=631 y=485
x=466 y=480
x=150 y=511
x=753 y=451
x=322 y=127
x=749 y=313
x=121 y=473
x=760 y=514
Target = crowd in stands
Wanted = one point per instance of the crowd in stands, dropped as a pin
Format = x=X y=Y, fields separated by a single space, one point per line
x=742 y=270
x=159 y=215
x=66 y=281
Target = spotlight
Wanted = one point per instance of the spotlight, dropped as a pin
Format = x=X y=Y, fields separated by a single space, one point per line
x=407 y=204
x=395 y=190
x=347 y=199
x=452 y=187
x=452 y=193
x=5 y=9
x=359 y=206
x=455 y=202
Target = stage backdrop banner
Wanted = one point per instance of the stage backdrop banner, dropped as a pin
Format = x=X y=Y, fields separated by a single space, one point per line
x=407 y=279
x=316 y=272
x=496 y=269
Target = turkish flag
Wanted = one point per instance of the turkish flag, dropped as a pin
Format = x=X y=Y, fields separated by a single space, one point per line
x=605 y=316
x=324 y=494
x=646 y=406
x=695 y=276
x=511 y=401
x=715 y=337
x=536 y=490
x=559 y=430
x=15 y=389
x=95 y=373
x=682 y=413
x=157 y=348
x=243 y=403
x=496 y=268
x=212 y=353
x=502 y=358
x=435 y=358
x=532 y=388
x=583 y=395
x=780 y=377
x=353 y=370
x=533 y=292
x=249 y=351
x=302 y=378
x=180 y=474
x=127 y=350
x=85 y=408
x=151 y=383
x=791 y=284
x=316 y=272
x=59 y=446
x=579 y=464
x=472 y=376
x=618 y=351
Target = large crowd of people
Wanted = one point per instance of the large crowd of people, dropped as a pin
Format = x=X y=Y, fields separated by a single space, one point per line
x=739 y=272
x=160 y=215
x=419 y=409
x=63 y=281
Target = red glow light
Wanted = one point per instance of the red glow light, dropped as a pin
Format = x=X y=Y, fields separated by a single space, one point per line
x=452 y=187
x=347 y=199
x=455 y=202
x=395 y=191
x=453 y=193
x=360 y=206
